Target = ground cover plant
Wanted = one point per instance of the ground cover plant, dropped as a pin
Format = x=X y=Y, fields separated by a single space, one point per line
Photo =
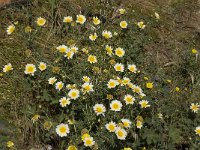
x=100 y=75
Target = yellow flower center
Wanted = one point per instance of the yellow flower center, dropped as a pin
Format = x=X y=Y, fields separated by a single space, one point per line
x=115 y=106
x=126 y=124
x=88 y=142
x=111 y=127
x=137 y=90
x=198 y=131
x=64 y=102
x=112 y=84
x=118 y=68
x=62 y=49
x=129 y=99
x=120 y=133
x=80 y=19
x=119 y=52
x=106 y=35
x=99 y=109
x=60 y=86
x=72 y=148
x=74 y=94
x=194 y=107
x=30 y=69
x=144 y=104
x=63 y=129
x=11 y=29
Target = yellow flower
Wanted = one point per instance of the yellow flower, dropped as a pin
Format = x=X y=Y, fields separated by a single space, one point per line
x=106 y=34
x=157 y=15
x=195 y=107
x=89 y=141
x=42 y=66
x=122 y=11
x=62 y=130
x=92 y=59
x=72 y=147
x=144 y=104
x=55 y=69
x=194 y=51
x=139 y=118
x=96 y=70
x=160 y=115
x=127 y=148
x=169 y=81
x=10 y=29
x=93 y=37
x=129 y=99
x=71 y=121
x=71 y=86
x=111 y=126
x=52 y=80
x=35 y=118
x=85 y=136
x=177 y=89
x=10 y=144
x=16 y=22
x=116 y=105
x=115 y=33
x=109 y=96
x=86 y=79
x=137 y=89
x=141 y=25
x=126 y=123
x=71 y=42
x=87 y=87
x=69 y=54
x=68 y=19
x=109 y=50
x=80 y=19
x=149 y=85
x=84 y=50
x=119 y=52
x=47 y=125
x=123 y=24
x=74 y=94
x=64 y=101
x=139 y=124
x=7 y=67
x=132 y=68
x=41 y=21
x=125 y=81
x=30 y=69
x=112 y=83
x=96 y=20
x=121 y=133
x=28 y=29
x=99 y=109
x=119 y=67
x=146 y=78
x=74 y=49
x=197 y=130
x=62 y=48
x=59 y=85
x=112 y=61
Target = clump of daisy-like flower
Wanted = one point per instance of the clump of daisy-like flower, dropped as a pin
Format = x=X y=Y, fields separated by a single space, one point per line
x=92 y=88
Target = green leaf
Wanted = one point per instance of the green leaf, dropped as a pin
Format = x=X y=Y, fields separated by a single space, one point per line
x=175 y=135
